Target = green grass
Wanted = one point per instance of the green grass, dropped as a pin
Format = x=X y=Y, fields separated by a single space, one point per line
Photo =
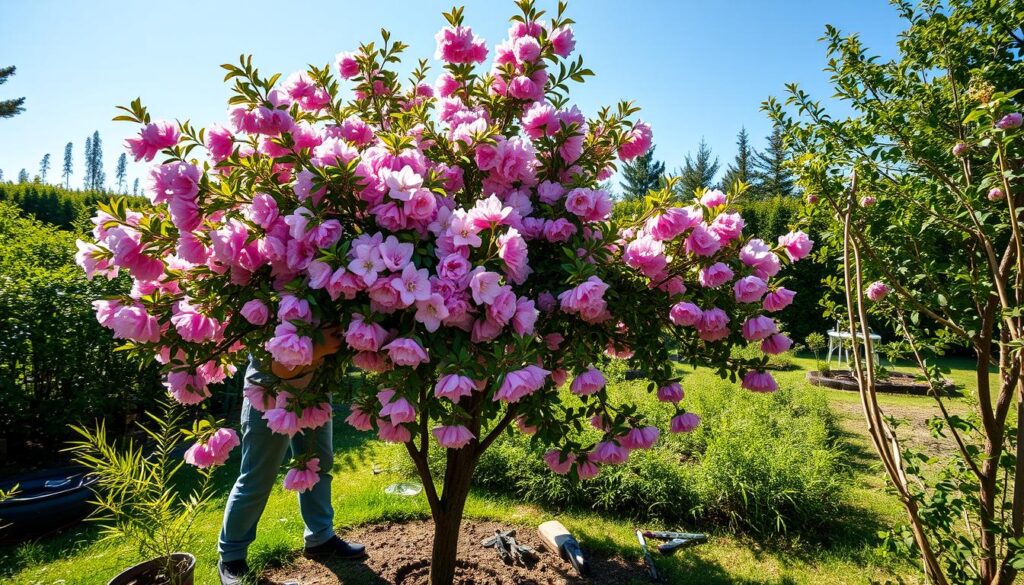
x=845 y=556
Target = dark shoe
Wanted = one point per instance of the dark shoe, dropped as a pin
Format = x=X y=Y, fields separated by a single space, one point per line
x=338 y=549
x=232 y=572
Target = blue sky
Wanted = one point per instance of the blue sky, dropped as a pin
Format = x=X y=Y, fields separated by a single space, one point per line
x=698 y=68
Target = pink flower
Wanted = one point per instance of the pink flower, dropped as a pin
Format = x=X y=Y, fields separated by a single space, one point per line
x=646 y=255
x=431 y=312
x=758 y=327
x=484 y=285
x=289 y=348
x=130 y=322
x=562 y=41
x=759 y=382
x=558 y=230
x=454 y=387
x=749 y=289
x=715 y=275
x=670 y=393
x=640 y=438
x=399 y=411
x=525 y=317
x=867 y=201
x=712 y=320
x=363 y=336
x=367 y=263
x=877 y=290
x=728 y=227
x=713 y=198
x=393 y=433
x=959 y=149
x=512 y=251
x=796 y=244
x=219 y=141
x=459 y=45
x=302 y=479
x=609 y=452
x=292 y=308
x=588 y=382
x=559 y=463
x=778 y=299
x=996 y=194
x=359 y=419
x=406 y=352
x=636 y=142
x=152 y=139
x=1008 y=121
x=685 y=314
x=412 y=285
x=672 y=222
x=520 y=383
x=453 y=437
x=684 y=423
x=314 y=417
x=348 y=66
x=776 y=343
x=702 y=241
x=395 y=255
x=587 y=300
x=192 y=325
x=214 y=451
x=758 y=255
x=282 y=421
x=587 y=469
x=186 y=388
x=464 y=229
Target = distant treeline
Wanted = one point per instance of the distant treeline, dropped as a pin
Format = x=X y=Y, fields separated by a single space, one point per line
x=56 y=205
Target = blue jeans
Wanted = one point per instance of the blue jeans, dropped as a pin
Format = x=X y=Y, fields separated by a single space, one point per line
x=263 y=452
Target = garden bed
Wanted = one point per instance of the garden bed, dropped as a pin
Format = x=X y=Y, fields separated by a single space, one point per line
x=399 y=555
x=895 y=382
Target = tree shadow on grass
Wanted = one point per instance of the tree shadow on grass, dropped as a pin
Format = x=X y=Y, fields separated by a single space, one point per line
x=350 y=449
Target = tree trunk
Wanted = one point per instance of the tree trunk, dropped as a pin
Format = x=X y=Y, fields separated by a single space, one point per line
x=448 y=518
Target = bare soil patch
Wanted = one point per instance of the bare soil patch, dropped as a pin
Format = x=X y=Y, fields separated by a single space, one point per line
x=399 y=554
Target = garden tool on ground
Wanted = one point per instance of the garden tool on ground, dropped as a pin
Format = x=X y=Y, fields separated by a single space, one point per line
x=651 y=569
x=676 y=540
x=560 y=541
x=510 y=551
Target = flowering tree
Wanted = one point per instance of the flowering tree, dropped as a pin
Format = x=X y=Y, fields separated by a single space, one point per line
x=930 y=237
x=449 y=237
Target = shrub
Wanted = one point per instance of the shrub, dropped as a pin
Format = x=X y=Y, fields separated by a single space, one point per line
x=762 y=463
x=57 y=364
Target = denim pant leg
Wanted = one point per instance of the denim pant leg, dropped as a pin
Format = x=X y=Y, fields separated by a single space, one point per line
x=315 y=504
x=263 y=452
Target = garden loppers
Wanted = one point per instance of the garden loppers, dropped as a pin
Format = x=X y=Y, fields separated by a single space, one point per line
x=676 y=540
x=647 y=555
x=555 y=536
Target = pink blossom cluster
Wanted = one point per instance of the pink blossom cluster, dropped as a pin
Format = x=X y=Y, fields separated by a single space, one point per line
x=452 y=238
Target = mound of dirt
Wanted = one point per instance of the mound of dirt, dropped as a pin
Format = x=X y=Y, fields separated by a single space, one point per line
x=399 y=554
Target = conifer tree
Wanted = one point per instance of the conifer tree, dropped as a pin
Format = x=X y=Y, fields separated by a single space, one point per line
x=68 y=166
x=771 y=177
x=698 y=172
x=641 y=175
x=10 y=108
x=44 y=167
x=23 y=176
x=740 y=168
x=121 y=172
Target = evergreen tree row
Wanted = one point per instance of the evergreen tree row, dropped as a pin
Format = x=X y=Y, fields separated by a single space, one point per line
x=764 y=172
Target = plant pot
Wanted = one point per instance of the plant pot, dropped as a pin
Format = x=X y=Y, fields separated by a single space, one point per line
x=151 y=572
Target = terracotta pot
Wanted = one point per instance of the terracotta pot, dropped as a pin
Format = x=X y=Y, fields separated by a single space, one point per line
x=146 y=573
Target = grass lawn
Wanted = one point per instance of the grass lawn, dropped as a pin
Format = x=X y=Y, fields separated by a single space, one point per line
x=848 y=556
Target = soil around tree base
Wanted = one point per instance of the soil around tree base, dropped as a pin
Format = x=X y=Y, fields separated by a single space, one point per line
x=399 y=554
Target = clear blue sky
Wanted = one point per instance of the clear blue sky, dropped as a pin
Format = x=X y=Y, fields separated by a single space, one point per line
x=698 y=68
